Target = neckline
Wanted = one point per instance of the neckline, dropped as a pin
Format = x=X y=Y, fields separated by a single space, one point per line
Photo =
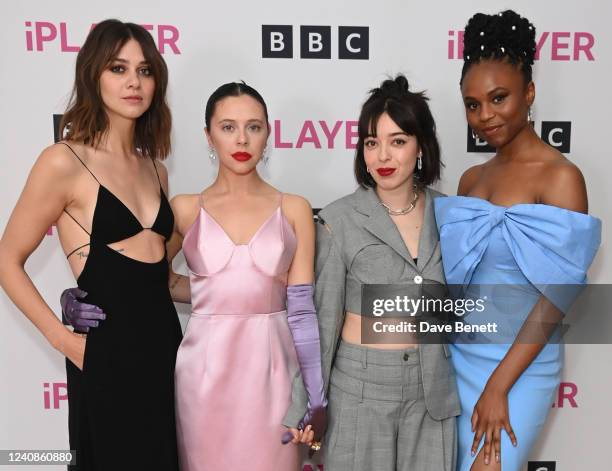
x=543 y=205
x=161 y=197
x=252 y=238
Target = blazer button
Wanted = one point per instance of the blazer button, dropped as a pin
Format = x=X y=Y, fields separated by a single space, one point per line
x=406 y=356
x=418 y=279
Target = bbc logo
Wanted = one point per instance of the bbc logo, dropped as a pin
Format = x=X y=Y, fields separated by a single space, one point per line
x=557 y=134
x=541 y=466
x=315 y=42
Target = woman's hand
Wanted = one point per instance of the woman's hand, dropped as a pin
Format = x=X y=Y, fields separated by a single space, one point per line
x=489 y=418
x=73 y=348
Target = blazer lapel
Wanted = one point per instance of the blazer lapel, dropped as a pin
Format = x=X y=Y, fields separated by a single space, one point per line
x=380 y=224
x=429 y=232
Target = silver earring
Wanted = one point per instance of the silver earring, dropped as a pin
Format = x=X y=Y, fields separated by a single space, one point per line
x=265 y=156
x=420 y=161
x=529 y=115
x=474 y=136
x=368 y=169
x=211 y=154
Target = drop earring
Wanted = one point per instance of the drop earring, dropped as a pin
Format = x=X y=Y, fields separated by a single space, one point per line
x=420 y=161
x=211 y=154
x=529 y=115
x=474 y=136
x=265 y=157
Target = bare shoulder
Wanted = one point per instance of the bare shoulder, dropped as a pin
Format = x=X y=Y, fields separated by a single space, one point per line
x=162 y=171
x=469 y=179
x=563 y=185
x=296 y=208
x=185 y=208
x=58 y=161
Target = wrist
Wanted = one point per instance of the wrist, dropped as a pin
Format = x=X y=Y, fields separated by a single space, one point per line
x=58 y=338
x=497 y=385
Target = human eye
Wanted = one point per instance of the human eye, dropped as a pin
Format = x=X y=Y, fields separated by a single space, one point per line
x=117 y=69
x=499 y=98
x=470 y=105
x=369 y=143
x=227 y=127
x=146 y=71
x=399 y=141
x=255 y=127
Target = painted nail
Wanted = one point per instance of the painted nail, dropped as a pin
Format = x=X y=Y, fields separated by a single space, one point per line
x=497 y=457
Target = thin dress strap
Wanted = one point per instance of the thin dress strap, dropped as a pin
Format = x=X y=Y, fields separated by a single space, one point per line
x=66 y=211
x=86 y=167
x=156 y=172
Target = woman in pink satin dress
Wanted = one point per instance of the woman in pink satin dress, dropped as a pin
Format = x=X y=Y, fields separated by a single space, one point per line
x=244 y=243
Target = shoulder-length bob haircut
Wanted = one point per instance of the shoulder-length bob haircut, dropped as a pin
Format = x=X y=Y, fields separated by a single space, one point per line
x=409 y=110
x=85 y=118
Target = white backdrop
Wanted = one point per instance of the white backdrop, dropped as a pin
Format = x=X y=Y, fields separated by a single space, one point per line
x=210 y=43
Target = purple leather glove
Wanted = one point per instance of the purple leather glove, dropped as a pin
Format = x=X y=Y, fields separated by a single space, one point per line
x=80 y=315
x=304 y=326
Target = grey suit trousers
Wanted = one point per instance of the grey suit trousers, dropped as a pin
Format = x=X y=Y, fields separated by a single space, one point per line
x=378 y=417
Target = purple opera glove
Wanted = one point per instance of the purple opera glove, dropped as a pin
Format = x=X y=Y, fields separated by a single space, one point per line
x=304 y=326
x=80 y=315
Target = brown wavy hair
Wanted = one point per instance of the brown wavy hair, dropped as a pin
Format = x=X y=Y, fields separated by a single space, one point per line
x=85 y=118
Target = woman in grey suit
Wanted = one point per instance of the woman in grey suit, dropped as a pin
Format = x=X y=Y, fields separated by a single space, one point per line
x=391 y=406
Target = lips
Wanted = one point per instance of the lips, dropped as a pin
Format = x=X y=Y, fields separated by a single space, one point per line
x=133 y=98
x=491 y=130
x=241 y=156
x=385 y=171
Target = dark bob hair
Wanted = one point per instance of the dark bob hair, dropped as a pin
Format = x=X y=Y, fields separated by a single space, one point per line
x=86 y=120
x=231 y=89
x=409 y=110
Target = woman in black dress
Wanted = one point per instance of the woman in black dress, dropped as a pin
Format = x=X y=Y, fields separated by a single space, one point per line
x=105 y=189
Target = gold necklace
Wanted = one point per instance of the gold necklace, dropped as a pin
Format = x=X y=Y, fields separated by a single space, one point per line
x=406 y=210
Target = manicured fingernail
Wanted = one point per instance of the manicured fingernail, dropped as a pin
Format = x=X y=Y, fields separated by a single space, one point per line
x=497 y=458
x=486 y=460
x=473 y=453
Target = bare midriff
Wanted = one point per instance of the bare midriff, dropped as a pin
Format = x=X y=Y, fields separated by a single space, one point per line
x=351 y=333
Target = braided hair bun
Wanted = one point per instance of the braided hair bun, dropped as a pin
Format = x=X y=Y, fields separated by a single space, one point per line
x=504 y=36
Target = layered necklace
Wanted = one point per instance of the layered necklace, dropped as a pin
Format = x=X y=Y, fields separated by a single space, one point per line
x=407 y=209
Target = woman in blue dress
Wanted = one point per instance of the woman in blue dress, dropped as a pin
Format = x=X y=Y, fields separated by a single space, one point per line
x=519 y=225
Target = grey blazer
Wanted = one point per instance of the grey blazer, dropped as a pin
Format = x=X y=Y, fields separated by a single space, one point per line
x=364 y=246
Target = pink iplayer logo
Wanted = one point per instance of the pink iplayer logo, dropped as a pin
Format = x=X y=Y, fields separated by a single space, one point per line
x=555 y=46
x=44 y=33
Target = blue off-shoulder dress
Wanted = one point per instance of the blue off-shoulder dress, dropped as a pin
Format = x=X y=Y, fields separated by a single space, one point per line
x=528 y=248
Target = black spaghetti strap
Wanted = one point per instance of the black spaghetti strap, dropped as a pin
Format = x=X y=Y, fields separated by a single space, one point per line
x=78 y=248
x=156 y=172
x=86 y=167
x=78 y=223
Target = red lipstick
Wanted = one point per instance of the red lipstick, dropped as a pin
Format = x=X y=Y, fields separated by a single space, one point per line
x=241 y=156
x=385 y=171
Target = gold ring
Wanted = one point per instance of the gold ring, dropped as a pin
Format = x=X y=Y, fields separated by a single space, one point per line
x=316 y=446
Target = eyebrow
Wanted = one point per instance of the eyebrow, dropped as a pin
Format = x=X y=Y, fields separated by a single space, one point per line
x=393 y=134
x=125 y=61
x=489 y=93
x=231 y=120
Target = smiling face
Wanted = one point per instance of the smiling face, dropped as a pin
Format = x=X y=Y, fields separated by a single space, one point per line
x=127 y=85
x=238 y=132
x=391 y=155
x=497 y=100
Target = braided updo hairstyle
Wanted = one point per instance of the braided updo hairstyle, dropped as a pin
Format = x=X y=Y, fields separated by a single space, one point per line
x=409 y=110
x=504 y=36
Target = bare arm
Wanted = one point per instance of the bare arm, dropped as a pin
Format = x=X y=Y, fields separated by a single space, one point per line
x=299 y=213
x=45 y=195
x=179 y=284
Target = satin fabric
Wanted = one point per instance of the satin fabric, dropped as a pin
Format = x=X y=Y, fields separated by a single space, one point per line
x=524 y=251
x=237 y=360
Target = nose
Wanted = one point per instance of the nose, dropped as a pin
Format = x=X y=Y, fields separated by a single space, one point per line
x=133 y=79
x=242 y=137
x=486 y=112
x=383 y=153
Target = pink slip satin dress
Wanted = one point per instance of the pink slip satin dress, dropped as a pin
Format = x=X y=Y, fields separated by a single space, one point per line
x=236 y=362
